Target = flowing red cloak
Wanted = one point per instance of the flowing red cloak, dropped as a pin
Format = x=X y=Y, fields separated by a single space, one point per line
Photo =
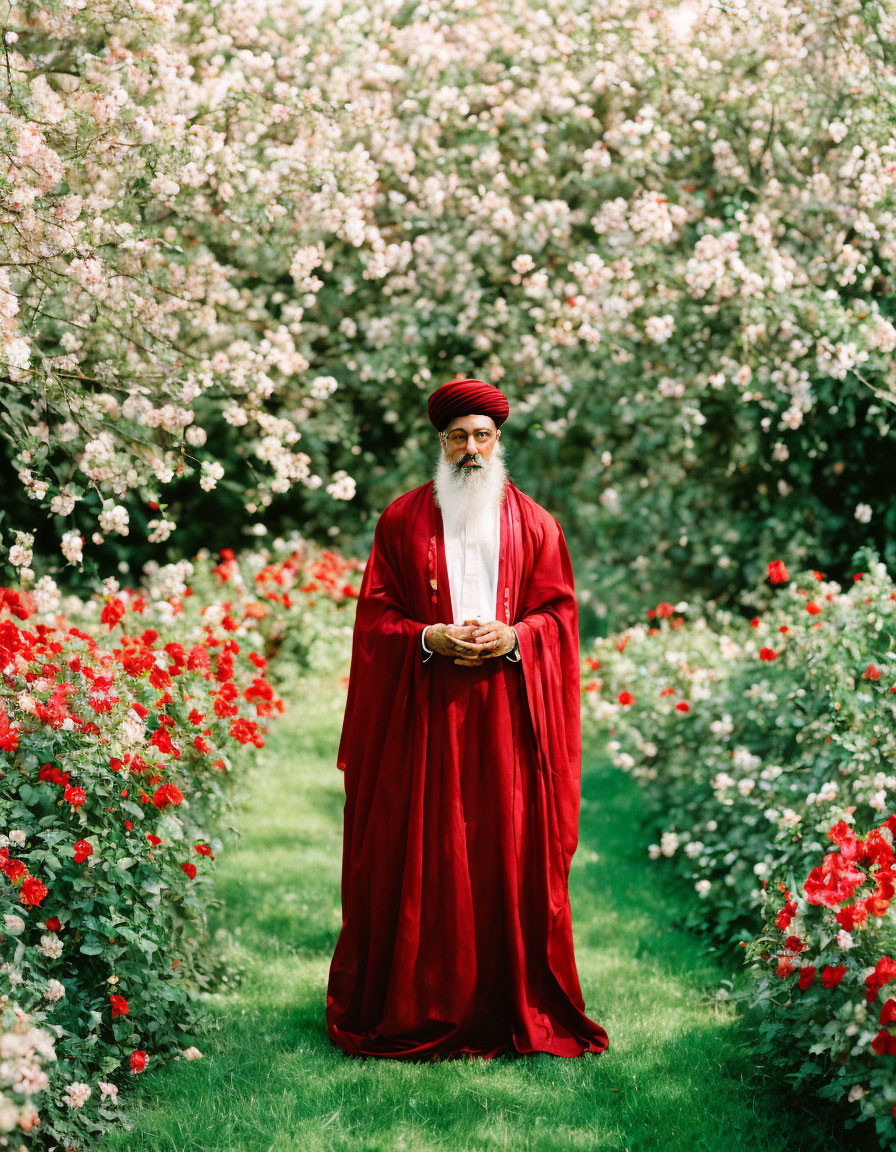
x=462 y=789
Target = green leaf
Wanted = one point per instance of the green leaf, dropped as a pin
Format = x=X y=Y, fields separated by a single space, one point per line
x=30 y=795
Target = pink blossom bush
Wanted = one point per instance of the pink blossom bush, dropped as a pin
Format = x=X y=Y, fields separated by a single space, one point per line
x=26 y=1051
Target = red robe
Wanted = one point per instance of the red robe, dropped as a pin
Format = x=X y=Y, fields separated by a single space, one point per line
x=462 y=789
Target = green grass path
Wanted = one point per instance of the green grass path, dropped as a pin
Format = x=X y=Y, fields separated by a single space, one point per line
x=678 y=1076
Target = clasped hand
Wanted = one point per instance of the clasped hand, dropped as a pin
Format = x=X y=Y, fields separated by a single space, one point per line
x=470 y=643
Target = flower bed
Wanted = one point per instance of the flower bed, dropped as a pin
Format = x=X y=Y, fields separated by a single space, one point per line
x=758 y=742
x=123 y=724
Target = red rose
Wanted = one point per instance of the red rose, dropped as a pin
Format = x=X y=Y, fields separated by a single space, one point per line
x=32 y=891
x=161 y=740
x=768 y=654
x=833 y=882
x=682 y=706
x=888 y=1012
x=777 y=572
x=153 y=839
x=755 y=622
x=112 y=613
x=138 y=1060
x=75 y=796
x=849 y=917
x=9 y=734
x=119 y=1006
x=14 y=868
x=786 y=915
x=190 y=869
x=884 y=972
x=83 y=849
x=885 y=969
x=223 y=708
x=53 y=924
x=872 y=672
x=203 y=850
x=832 y=975
x=807 y=975
x=626 y=698
x=884 y=1043
x=247 y=732
x=812 y=608
x=167 y=794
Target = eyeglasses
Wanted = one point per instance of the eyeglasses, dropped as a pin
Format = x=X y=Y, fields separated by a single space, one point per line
x=458 y=437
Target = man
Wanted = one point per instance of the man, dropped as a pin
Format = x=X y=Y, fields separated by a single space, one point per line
x=461 y=748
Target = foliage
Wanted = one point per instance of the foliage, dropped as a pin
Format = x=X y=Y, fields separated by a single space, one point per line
x=123 y=724
x=756 y=741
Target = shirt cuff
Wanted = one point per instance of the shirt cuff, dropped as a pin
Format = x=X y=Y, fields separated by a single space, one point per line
x=515 y=655
x=427 y=652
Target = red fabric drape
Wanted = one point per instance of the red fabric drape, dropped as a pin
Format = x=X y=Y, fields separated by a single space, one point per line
x=461 y=814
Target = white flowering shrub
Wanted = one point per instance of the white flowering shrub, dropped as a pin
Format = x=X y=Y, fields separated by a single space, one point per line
x=165 y=188
x=26 y=1049
x=666 y=231
x=246 y=240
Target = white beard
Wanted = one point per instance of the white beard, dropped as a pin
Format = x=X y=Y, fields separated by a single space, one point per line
x=470 y=495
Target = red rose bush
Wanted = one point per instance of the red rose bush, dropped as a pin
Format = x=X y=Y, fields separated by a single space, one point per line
x=124 y=725
x=788 y=738
x=825 y=972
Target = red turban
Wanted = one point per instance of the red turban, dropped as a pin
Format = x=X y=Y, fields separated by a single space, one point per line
x=466 y=397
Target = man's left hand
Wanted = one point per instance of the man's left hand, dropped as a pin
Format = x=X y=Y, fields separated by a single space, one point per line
x=486 y=641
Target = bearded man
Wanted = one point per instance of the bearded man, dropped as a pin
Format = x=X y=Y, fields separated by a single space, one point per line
x=461 y=749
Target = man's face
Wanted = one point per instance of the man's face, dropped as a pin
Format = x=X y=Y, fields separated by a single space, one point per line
x=468 y=441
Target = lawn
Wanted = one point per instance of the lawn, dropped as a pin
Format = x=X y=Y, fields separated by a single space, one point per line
x=680 y=1074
